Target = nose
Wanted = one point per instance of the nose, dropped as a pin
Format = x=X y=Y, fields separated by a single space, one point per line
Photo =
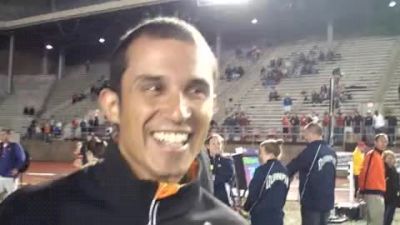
x=178 y=108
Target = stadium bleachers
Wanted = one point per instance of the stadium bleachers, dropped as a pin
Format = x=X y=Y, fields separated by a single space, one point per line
x=76 y=81
x=30 y=90
x=391 y=100
x=363 y=62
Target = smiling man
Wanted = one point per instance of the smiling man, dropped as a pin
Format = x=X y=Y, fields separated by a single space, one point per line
x=161 y=97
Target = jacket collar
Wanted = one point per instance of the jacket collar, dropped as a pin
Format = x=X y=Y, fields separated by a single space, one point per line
x=120 y=184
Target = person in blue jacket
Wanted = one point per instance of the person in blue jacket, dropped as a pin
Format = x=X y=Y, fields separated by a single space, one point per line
x=269 y=187
x=12 y=159
x=316 y=165
x=221 y=167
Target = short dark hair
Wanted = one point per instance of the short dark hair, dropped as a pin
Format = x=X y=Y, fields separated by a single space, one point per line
x=314 y=128
x=161 y=27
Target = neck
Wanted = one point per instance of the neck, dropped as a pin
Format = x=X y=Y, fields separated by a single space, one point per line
x=268 y=157
x=312 y=139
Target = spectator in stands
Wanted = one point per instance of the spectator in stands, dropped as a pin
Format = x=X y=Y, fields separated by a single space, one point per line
x=285 y=126
x=31 y=111
x=315 y=98
x=230 y=124
x=30 y=132
x=305 y=97
x=57 y=131
x=339 y=128
x=348 y=125
x=316 y=165
x=12 y=159
x=392 y=127
x=74 y=126
x=325 y=125
x=228 y=72
x=243 y=120
x=321 y=56
x=26 y=111
x=392 y=186
x=314 y=118
x=358 y=160
x=379 y=122
x=357 y=123
x=87 y=66
x=368 y=126
x=287 y=103
x=372 y=181
x=324 y=92
x=229 y=107
x=273 y=95
x=84 y=127
x=96 y=121
x=47 y=132
x=295 y=127
x=303 y=120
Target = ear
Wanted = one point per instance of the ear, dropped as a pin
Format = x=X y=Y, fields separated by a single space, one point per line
x=109 y=103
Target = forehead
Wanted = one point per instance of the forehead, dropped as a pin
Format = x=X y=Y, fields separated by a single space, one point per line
x=169 y=57
x=215 y=140
x=382 y=138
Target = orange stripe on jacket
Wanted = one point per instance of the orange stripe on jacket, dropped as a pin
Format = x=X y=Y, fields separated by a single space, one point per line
x=166 y=190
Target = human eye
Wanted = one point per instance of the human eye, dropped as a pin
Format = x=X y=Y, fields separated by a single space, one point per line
x=199 y=90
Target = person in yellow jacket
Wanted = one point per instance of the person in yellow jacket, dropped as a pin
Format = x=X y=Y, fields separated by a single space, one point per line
x=358 y=159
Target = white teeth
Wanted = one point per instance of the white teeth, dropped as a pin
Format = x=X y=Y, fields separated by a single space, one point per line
x=171 y=137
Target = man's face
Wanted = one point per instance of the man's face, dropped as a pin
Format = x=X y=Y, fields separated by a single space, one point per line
x=381 y=143
x=166 y=107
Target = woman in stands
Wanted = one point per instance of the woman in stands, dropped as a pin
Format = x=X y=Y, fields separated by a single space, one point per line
x=392 y=186
x=269 y=187
x=221 y=167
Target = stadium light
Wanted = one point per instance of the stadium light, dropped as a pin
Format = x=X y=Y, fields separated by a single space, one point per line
x=49 y=47
x=102 y=40
x=254 y=21
x=221 y=2
x=392 y=4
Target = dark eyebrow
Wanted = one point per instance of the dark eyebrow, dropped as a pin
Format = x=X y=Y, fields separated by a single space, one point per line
x=199 y=82
x=146 y=78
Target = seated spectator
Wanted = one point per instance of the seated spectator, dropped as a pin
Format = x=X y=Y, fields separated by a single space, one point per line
x=273 y=95
x=243 y=120
x=239 y=53
x=26 y=111
x=96 y=121
x=31 y=111
x=321 y=56
x=228 y=73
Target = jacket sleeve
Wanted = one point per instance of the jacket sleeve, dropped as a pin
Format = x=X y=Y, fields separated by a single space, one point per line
x=298 y=163
x=254 y=189
x=20 y=157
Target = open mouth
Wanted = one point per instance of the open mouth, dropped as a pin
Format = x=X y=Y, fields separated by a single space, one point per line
x=172 y=139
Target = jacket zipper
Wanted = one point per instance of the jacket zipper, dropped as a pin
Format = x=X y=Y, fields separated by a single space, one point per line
x=153 y=212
